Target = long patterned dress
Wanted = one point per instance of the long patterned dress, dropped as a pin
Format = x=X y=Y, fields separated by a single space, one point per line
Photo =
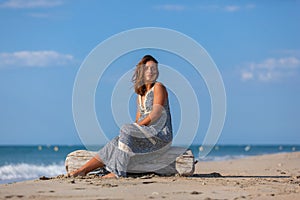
x=135 y=140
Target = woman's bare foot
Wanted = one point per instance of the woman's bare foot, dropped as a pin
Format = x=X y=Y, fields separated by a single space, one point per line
x=77 y=172
x=110 y=175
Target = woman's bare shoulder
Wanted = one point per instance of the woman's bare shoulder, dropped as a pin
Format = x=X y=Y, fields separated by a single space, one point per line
x=159 y=85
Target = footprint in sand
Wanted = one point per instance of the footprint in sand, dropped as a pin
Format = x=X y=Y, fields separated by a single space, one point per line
x=11 y=196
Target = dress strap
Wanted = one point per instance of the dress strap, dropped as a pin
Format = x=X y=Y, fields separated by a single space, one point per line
x=140 y=100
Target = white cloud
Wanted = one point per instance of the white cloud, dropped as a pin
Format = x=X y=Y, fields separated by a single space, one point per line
x=34 y=59
x=232 y=8
x=171 y=7
x=207 y=7
x=246 y=75
x=290 y=52
x=25 y=4
x=235 y=8
x=271 y=69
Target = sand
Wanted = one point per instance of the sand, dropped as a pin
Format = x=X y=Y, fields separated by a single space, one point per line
x=275 y=176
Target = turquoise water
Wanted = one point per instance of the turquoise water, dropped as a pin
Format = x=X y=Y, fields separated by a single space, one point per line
x=18 y=163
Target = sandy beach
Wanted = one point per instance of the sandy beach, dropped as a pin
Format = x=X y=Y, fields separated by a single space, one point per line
x=275 y=176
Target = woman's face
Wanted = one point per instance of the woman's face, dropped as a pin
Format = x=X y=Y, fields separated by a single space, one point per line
x=151 y=72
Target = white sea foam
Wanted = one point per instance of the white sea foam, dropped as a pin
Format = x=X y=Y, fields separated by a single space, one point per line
x=23 y=171
x=222 y=158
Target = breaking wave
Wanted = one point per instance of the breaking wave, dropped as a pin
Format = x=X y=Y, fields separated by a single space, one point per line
x=24 y=171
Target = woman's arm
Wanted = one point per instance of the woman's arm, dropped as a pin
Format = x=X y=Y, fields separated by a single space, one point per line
x=160 y=96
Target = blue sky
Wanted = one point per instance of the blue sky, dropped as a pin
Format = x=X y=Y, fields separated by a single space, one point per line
x=255 y=45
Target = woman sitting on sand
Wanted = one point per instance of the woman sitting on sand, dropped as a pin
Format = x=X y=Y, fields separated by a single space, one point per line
x=151 y=131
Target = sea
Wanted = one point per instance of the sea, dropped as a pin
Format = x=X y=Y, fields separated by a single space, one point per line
x=20 y=163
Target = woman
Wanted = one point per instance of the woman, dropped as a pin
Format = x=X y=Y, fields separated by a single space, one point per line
x=151 y=132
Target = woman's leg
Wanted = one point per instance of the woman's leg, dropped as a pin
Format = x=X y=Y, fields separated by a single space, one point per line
x=92 y=164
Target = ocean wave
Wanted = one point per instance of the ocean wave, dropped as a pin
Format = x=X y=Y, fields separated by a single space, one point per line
x=222 y=158
x=23 y=171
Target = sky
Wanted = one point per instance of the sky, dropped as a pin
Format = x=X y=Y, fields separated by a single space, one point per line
x=254 y=44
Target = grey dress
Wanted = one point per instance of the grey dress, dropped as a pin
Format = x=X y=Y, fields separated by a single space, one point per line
x=135 y=140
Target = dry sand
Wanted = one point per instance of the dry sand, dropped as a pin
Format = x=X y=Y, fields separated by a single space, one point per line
x=274 y=176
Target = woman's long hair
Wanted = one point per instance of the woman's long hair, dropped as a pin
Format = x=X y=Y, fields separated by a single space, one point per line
x=138 y=76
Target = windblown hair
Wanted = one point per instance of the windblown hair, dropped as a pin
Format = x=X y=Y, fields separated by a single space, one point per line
x=138 y=76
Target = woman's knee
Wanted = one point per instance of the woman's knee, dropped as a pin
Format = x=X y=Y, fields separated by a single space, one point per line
x=125 y=128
